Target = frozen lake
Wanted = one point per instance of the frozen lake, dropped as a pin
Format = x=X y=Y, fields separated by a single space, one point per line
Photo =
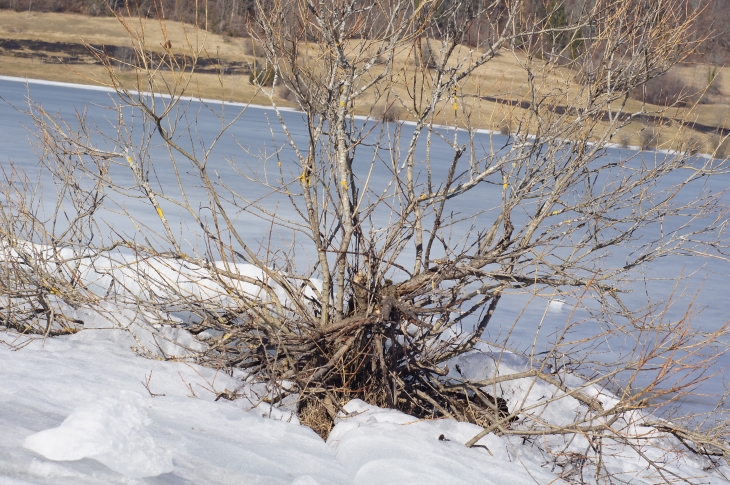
x=257 y=132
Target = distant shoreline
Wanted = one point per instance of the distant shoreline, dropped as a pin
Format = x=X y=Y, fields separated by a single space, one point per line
x=91 y=87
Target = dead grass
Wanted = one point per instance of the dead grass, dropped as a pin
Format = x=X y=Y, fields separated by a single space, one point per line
x=227 y=88
x=65 y=27
x=313 y=413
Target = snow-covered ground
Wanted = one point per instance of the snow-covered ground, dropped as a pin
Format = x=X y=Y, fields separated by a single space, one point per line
x=77 y=410
x=85 y=409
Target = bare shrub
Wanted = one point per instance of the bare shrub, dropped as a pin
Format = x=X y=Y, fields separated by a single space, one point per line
x=251 y=47
x=714 y=81
x=666 y=90
x=285 y=93
x=262 y=76
x=648 y=138
x=719 y=146
x=424 y=55
x=247 y=46
x=391 y=292
x=692 y=145
x=388 y=114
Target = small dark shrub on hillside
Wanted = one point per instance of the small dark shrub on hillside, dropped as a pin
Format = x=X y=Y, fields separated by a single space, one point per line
x=251 y=47
x=648 y=139
x=386 y=114
x=666 y=90
x=285 y=93
x=719 y=146
x=425 y=57
x=714 y=80
x=262 y=77
x=692 y=145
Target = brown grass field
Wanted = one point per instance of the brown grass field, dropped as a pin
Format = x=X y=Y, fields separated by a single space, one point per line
x=61 y=57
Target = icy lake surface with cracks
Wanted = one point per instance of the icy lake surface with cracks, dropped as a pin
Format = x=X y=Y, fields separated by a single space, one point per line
x=118 y=434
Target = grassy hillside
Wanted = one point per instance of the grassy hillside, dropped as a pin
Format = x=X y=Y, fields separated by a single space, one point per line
x=52 y=46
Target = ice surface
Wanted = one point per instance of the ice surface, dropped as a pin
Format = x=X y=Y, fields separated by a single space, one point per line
x=110 y=430
x=120 y=418
x=305 y=480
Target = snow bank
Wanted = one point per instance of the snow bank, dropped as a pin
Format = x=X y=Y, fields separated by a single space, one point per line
x=110 y=430
x=76 y=410
x=71 y=398
x=84 y=409
x=382 y=446
x=128 y=277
